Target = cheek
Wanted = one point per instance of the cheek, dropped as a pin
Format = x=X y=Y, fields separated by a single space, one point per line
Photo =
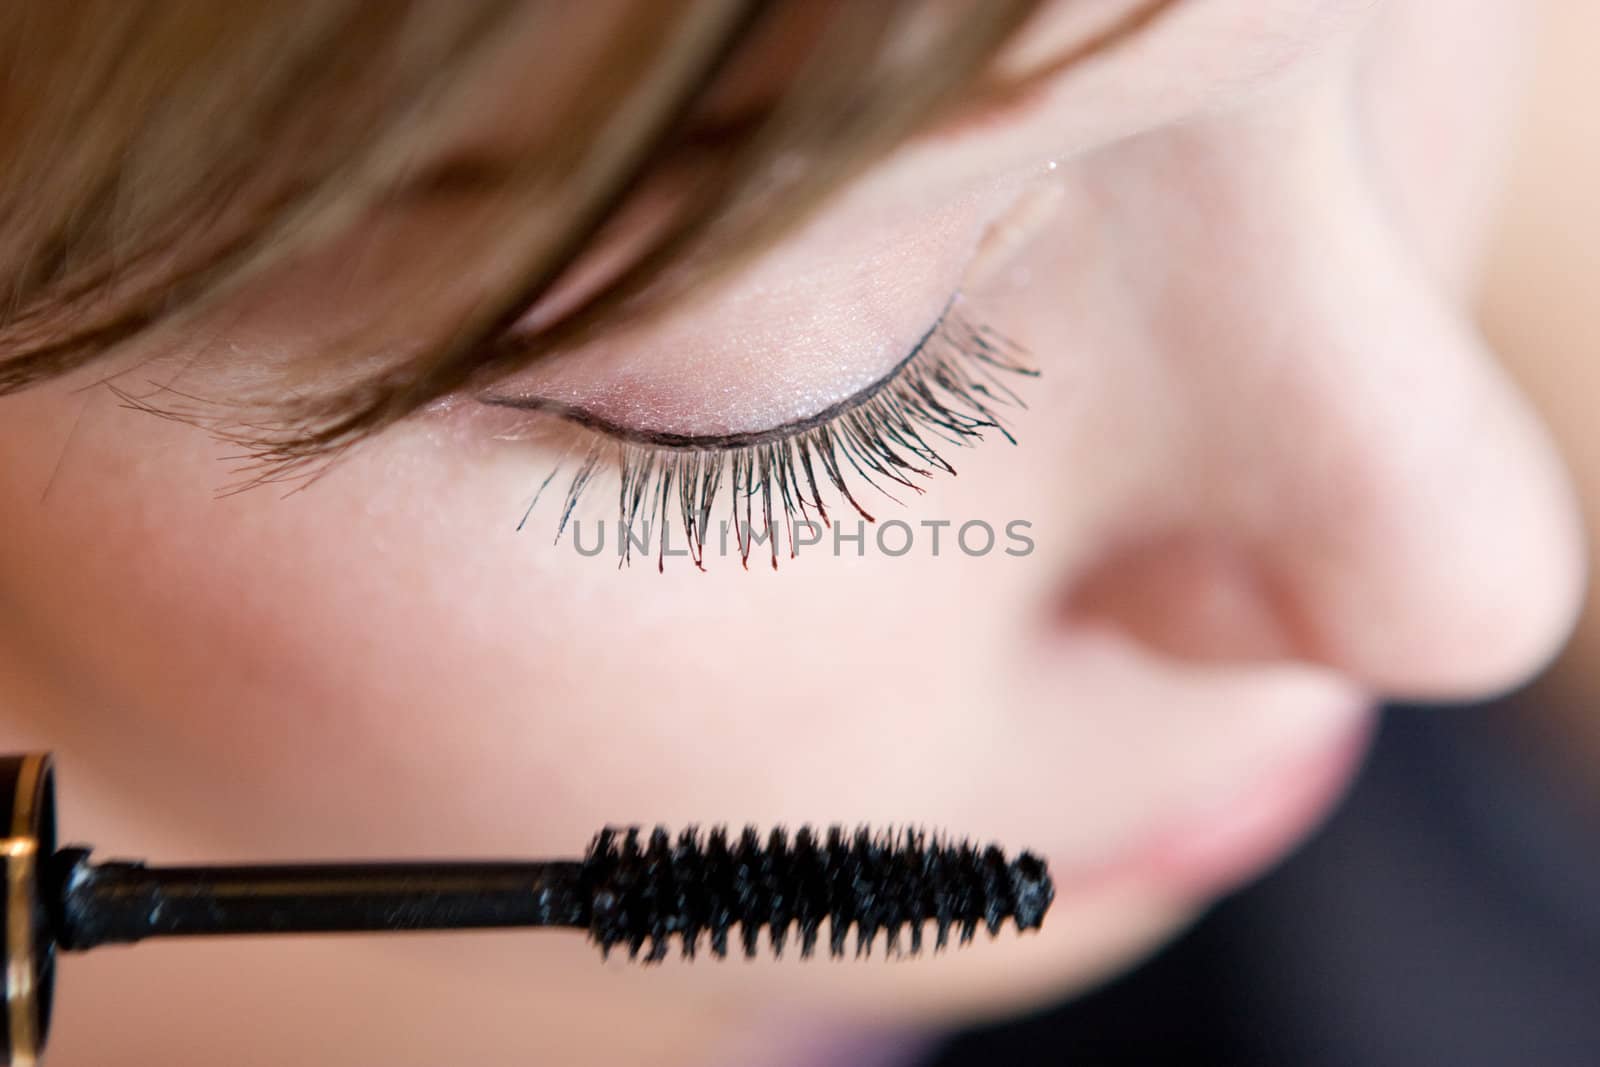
x=383 y=657
x=207 y=650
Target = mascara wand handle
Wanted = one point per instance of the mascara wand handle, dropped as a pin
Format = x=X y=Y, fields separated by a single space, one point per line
x=58 y=900
x=121 y=902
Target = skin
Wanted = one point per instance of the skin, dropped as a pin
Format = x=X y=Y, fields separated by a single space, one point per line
x=1274 y=475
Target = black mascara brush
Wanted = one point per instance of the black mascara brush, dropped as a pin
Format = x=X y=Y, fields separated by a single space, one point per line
x=627 y=890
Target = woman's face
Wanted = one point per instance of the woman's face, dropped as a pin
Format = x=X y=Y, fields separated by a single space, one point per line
x=1268 y=473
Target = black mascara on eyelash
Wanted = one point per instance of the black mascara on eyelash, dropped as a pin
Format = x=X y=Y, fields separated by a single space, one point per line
x=947 y=388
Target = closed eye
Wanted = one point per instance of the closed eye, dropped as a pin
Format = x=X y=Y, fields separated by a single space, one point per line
x=946 y=392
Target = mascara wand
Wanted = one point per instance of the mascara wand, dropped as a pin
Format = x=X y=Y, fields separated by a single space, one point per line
x=627 y=890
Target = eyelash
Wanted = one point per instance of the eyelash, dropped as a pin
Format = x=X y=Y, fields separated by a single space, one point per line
x=947 y=388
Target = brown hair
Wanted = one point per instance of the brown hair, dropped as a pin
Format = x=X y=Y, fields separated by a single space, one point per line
x=160 y=157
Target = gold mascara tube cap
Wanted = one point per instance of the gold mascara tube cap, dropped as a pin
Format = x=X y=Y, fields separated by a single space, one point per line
x=28 y=820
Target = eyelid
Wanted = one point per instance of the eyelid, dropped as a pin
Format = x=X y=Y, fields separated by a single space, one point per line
x=803 y=334
x=582 y=416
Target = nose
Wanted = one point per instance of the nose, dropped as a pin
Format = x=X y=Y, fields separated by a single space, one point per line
x=1355 y=482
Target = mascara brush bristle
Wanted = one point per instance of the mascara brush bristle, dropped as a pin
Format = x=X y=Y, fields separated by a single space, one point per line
x=646 y=891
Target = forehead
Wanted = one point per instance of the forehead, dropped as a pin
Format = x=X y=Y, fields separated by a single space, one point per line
x=1130 y=50
x=1162 y=58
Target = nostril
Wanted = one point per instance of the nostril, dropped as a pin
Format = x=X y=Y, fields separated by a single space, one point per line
x=1189 y=595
